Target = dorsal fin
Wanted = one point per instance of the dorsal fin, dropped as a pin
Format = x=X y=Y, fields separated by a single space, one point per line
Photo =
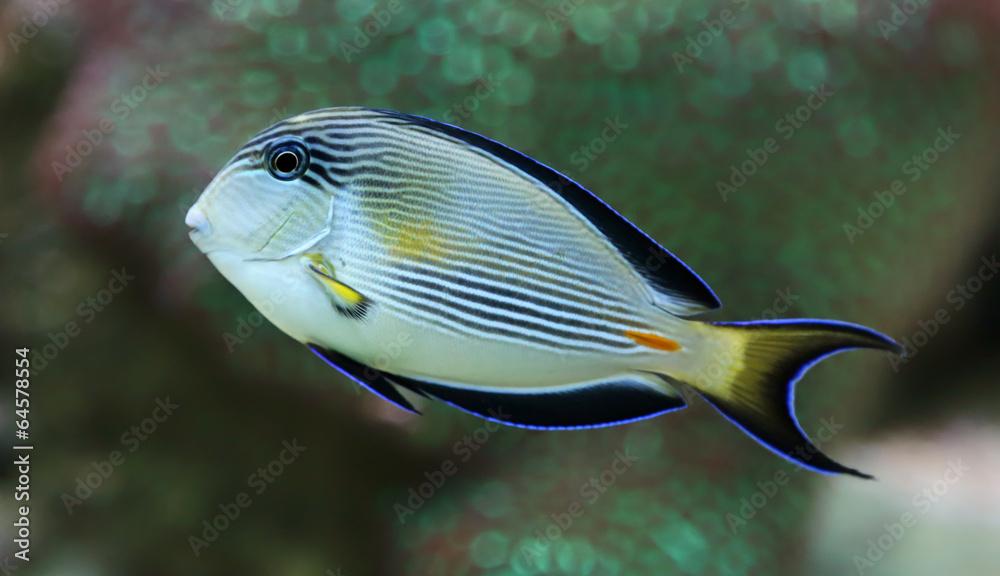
x=685 y=291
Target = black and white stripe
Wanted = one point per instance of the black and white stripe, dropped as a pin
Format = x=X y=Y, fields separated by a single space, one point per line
x=509 y=262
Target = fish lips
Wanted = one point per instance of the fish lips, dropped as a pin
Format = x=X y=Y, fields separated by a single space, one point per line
x=196 y=220
x=200 y=230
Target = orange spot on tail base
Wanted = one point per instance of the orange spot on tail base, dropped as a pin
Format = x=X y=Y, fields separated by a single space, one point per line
x=653 y=341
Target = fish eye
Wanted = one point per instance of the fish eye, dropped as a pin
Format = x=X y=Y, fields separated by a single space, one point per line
x=287 y=159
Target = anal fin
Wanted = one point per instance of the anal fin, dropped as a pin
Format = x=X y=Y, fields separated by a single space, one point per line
x=609 y=402
x=617 y=400
x=375 y=381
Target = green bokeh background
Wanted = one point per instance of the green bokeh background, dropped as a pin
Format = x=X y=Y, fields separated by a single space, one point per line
x=696 y=89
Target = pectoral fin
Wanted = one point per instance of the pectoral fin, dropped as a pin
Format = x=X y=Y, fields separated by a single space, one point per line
x=345 y=299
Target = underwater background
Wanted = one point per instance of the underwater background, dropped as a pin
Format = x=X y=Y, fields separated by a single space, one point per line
x=832 y=159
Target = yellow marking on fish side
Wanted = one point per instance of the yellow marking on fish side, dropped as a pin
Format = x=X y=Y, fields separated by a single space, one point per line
x=417 y=241
x=654 y=341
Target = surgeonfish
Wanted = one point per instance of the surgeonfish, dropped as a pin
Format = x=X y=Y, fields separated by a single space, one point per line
x=422 y=259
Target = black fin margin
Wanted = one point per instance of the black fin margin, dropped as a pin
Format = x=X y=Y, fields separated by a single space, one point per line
x=603 y=404
x=666 y=272
x=778 y=354
x=790 y=443
x=380 y=383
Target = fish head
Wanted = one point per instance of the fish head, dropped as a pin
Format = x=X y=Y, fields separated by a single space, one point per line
x=267 y=203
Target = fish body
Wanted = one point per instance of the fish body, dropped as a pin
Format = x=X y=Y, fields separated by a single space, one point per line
x=420 y=258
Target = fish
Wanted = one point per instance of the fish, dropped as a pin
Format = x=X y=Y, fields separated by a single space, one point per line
x=428 y=262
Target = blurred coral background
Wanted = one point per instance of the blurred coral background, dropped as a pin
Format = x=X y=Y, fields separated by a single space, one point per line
x=758 y=140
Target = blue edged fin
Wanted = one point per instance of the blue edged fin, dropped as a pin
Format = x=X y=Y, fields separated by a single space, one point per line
x=685 y=292
x=759 y=394
x=605 y=403
x=382 y=384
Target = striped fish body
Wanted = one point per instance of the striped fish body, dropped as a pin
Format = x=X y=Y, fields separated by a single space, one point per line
x=416 y=256
x=486 y=275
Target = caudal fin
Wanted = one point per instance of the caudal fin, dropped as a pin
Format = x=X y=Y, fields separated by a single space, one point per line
x=752 y=383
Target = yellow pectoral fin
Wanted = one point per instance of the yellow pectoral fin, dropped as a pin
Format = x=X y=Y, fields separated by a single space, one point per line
x=345 y=299
x=349 y=295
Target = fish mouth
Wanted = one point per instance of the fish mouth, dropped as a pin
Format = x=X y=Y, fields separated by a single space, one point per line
x=197 y=221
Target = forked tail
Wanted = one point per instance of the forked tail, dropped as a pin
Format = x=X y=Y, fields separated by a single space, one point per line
x=752 y=380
